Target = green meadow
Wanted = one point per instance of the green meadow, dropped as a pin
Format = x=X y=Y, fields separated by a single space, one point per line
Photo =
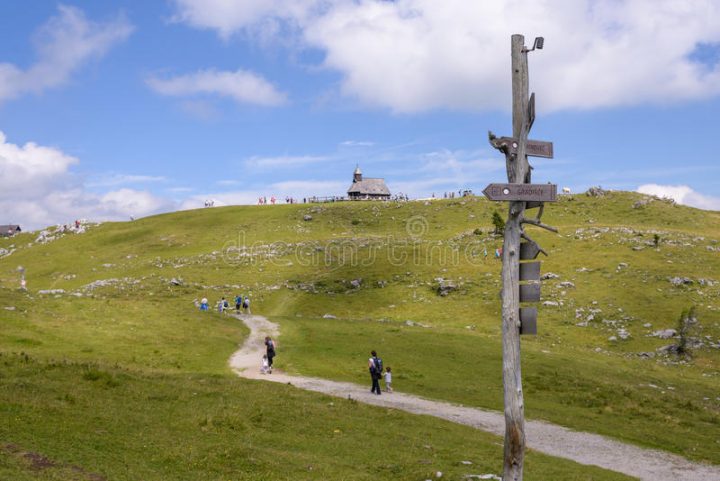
x=113 y=373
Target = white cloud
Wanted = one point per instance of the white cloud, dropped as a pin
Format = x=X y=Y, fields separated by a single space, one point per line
x=284 y=161
x=415 y=55
x=63 y=45
x=357 y=143
x=230 y=16
x=682 y=194
x=114 y=179
x=38 y=188
x=242 y=86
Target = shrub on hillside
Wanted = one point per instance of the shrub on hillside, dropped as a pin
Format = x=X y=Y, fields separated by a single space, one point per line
x=686 y=325
x=499 y=223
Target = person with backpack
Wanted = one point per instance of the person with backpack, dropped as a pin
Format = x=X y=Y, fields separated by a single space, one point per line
x=270 y=351
x=375 y=366
x=238 y=302
x=246 y=305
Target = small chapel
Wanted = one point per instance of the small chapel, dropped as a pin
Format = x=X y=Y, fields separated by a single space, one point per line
x=368 y=188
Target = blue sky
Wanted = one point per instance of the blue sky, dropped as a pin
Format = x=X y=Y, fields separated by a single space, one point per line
x=113 y=109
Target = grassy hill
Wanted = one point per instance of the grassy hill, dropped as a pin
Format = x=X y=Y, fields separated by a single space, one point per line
x=114 y=370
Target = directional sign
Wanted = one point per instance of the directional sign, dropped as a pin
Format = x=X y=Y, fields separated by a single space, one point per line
x=532 y=192
x=531 y=112
x=537 y=148
x=529 y=292
x=528 y=320
x=533 y=148
x=530 y=271
x=529 y=251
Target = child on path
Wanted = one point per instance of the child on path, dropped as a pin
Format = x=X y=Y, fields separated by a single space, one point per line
x=246 y=305
x=388 y=379
x=204 y=304
x=265 y=369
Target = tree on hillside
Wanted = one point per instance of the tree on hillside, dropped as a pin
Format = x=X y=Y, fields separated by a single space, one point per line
x=499 y=223
x=685 y=326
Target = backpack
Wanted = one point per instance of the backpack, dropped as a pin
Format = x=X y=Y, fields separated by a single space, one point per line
x=377 y=366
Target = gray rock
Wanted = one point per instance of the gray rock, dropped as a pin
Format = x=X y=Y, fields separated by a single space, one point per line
x=566 y=284
x=51 y=291
x=612 y=338
x=549 y=275
x=355 y=283
x=679 y=281
x=665 y=333
x=551 y=303
x=446 y=286
x=596 y=192
x=176 y=282
x=329 y=316
x=307 y=217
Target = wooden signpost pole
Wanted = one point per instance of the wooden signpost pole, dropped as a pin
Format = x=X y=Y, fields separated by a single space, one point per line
x=522 y=195
x=518 y=171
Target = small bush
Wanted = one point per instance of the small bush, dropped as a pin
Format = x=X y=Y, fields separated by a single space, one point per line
x=685 y=327
x=98 y=375
x=499 y=223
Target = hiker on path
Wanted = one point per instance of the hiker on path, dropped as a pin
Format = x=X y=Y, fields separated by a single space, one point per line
x=246 y=305
x=388 y=379
x=270 y=346
x=375 y=368
x=238 y=302
x=204 y=304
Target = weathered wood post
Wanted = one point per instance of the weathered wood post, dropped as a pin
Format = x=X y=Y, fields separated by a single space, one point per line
x=522 y=195
x=517 y=170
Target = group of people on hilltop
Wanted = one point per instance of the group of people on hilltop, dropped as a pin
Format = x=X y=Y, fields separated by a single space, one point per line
x=451 y=195
x=288 y=200
x=223 y=305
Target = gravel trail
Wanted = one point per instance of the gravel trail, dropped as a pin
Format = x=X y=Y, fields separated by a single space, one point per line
x=584 y=448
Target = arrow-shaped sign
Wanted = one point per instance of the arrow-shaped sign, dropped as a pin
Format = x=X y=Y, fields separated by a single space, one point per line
x=522 y=192
x=533 y=148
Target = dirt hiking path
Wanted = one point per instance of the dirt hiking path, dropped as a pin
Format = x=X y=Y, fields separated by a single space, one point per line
x=584 y=448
